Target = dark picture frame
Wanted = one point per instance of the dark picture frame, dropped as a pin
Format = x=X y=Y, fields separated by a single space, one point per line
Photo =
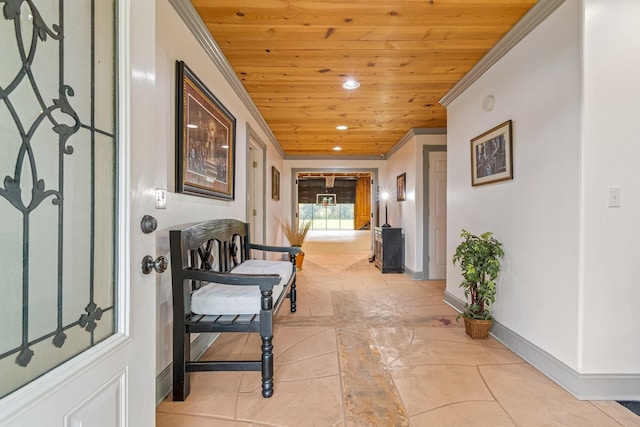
x=326 y=199
x=205 y=139
x=275 y=183
x=492 y=155
x=401 y=187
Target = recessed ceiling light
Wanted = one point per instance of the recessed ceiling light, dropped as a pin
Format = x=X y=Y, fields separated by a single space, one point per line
x=337 y=148
x=342 y=127
x=351 y=84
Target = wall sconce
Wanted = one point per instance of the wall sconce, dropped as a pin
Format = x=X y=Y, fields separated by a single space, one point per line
x=385 y=197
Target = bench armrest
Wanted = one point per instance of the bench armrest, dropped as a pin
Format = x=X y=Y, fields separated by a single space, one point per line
x=268 y=280
x=291 y=250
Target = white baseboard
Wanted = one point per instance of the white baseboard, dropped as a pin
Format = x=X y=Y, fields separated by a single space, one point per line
x=582 y=386
x=164 y=380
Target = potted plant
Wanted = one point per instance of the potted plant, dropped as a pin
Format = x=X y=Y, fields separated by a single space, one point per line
x=296 y=234
x=479 y=258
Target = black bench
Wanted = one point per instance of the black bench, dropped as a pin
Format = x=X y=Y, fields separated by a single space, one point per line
x=217 y=287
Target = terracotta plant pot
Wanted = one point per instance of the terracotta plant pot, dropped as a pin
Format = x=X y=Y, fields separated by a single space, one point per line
x=299 y=260
x=476 y=328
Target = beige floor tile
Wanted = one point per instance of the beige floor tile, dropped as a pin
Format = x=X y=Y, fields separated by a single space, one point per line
x=424 y=388
x=405 y=346
x=476 y=414
x=212 y=393
x=313 y=402
x=618 y=412
x=372 y=349
x=181 y=420
x=534 y=400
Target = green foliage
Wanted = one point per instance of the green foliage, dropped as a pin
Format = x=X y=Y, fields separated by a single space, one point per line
x=479 y=258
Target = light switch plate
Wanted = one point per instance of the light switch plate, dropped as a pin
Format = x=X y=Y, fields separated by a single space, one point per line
x=614 y=197
x=161 y=198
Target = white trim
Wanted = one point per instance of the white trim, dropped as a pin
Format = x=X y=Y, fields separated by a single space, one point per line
x=412 y=133
x=190 y=17
x=582 y=386
x=538 y=13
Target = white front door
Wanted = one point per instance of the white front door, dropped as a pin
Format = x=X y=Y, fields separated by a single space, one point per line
x=77 y=356
x=437 y=215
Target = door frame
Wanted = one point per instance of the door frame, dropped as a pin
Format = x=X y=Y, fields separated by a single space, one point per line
x=426 y=149
x=374 y=192
x=254 y=141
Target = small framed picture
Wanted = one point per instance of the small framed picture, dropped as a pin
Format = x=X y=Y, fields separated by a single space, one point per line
x=275 y=183
x=401 y=187
x=491 y=155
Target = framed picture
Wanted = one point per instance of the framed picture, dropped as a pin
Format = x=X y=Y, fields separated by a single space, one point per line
x=275 y=183
x=205 y=139
x=491 y=155
x=326 y=199
x=401 y=187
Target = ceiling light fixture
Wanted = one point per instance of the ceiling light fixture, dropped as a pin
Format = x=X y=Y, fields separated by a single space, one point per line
x=342 y=127
x=351 y=84
x=337 y=148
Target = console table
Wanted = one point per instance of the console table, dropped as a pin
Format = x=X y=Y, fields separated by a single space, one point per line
x=387 y=249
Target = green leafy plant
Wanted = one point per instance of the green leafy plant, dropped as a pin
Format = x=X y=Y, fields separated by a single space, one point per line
x=479 y=258
x=294 y=232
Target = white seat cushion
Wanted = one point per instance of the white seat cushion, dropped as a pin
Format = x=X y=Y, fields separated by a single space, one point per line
x=215 y=298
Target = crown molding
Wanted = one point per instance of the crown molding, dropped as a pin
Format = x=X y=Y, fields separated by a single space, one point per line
x=410 y=134
x=190 y=17
x=538 y=13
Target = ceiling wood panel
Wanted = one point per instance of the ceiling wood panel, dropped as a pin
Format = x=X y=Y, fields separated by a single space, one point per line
x=293 y=56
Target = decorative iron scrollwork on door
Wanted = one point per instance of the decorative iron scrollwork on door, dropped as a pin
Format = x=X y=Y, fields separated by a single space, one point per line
x=53 y=181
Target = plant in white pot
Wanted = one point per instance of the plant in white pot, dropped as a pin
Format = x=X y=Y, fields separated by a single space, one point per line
x=479 y=258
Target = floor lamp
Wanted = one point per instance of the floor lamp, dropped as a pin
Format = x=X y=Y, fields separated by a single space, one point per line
x=385 y=197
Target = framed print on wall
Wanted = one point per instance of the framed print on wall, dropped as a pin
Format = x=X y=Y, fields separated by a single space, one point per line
x=492 y=155
x=205 y=139
x=401 y=187
x=275 y=183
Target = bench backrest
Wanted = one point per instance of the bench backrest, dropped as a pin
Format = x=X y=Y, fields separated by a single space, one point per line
x=216 y=245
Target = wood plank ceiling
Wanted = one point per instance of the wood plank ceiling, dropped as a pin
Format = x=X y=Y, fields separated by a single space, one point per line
x=293 y=56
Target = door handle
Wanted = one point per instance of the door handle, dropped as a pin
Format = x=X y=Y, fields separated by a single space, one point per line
x=160 y=264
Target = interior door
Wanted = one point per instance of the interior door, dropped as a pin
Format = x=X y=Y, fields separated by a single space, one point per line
x=90 y=181
x=437 y=215
x=256 y=191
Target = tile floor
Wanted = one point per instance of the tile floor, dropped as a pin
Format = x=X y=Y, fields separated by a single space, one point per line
x=367 y=349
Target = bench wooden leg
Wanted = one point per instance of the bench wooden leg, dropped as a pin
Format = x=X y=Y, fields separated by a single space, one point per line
x=181 y=355
x=293 y=296
x=267 y=366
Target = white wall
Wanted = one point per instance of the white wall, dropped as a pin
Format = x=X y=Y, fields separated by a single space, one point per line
x=175 y=42
x=409 y=214
x=536 y=215
x=610 y=154
x=567 y=283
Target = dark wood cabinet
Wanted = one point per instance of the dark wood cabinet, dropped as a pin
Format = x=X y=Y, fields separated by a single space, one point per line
x=387 y=249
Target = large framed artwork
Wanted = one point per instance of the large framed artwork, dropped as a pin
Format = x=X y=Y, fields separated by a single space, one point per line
x=492 y=155
x=205 y=139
